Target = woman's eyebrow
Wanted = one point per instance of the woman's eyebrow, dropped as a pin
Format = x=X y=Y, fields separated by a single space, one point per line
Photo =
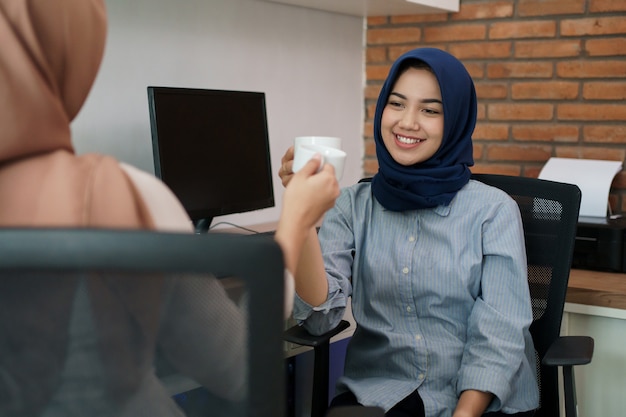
x=402 y=96
x=426 y=100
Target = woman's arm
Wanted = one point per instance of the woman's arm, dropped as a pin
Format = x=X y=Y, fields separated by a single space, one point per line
x=307 y=197
x=498 y=324
x=472 y=403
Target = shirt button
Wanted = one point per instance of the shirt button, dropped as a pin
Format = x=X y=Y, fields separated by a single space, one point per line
x=420 y=376
x=408 y=309
x=412 y=239
x=405 y=270
x=418 y=337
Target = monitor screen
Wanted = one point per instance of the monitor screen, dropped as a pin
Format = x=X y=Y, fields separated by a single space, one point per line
x=211 y=147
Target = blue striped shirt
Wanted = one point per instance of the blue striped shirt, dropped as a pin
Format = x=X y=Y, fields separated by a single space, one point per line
x=440 y=298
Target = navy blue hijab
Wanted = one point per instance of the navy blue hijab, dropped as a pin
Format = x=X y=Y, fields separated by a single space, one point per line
x=435 y=181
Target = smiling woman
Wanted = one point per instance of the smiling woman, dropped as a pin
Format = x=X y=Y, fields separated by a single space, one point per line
x=412 y=120
x=432 y=262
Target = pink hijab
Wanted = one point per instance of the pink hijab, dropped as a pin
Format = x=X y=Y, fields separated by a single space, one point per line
x=49 y=58
x=51 y=52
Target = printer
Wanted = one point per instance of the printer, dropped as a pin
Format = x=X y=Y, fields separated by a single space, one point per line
x=600 y=240
x=600 y=244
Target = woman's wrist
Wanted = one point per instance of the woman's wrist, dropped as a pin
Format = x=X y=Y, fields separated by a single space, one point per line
x=472 y=403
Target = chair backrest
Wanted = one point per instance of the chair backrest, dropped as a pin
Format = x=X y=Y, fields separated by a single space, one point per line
x=549 y=213
x=256 y=262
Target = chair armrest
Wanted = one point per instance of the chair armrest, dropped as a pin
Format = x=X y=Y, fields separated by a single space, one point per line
x=356 y=411
x=298 y=334
x=569 y=351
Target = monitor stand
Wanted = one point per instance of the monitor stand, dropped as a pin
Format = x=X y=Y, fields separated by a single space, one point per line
x=202 y=225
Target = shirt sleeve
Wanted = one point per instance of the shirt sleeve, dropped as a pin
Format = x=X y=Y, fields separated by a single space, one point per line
x=337 y=242
x=500 y=318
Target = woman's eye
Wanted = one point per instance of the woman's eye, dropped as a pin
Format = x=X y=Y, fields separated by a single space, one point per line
x=394 y=104
x=431 y=111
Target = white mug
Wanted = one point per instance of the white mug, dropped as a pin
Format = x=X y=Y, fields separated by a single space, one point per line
x=330 y=141
x=333 y=156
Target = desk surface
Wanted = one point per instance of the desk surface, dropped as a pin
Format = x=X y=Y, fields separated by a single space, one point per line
x=595 y=288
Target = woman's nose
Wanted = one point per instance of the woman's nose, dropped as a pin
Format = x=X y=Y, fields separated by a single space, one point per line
x=409 y=121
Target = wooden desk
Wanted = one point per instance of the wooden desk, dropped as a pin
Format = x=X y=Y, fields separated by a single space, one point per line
x=596 y=307
x=594 y=288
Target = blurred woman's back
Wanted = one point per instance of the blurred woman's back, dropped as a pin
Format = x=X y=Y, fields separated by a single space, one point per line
x=78 y=346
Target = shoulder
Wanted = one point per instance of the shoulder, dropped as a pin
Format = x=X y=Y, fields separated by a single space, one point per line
x=356 y=195
x=167 y=212
x=358 y=191
x=480 y=192
x=481 y=201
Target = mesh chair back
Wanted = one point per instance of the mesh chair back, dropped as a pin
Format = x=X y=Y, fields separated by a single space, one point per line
x=42 y=255
x=549 y=213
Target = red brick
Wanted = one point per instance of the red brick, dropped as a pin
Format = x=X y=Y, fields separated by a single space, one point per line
x=477 y=151
x=482 y=112
x=368 y=130
x=491 y=131
x=607 y=154
x=546 y=132
x=606 y=46
x=600 y=90
x=458 y=32
x=579 y=78
x=592 y=112
x=370 y=148
x=593 y=26
x=376 y=72
x=605 y=134
x=549 y=7
x=506 y=111
x=376 y=54
x=482 y=11
x=377 y=20
x=519 y=153
x=371 y=91
x=394 y=35
x=370 y=109
x=547 y=90
x=548 y=49
x=591 y=69
x=532 y=171
x=481 y=50
x=395 y=51
x=476 y=70
x=501 y=169
x=522 y=29
x=491 y=90
x=596 y=6
x=370 y=167
x=419 y=18
x=520 y=70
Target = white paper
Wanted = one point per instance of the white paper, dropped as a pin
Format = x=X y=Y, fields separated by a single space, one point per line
x=593 y=177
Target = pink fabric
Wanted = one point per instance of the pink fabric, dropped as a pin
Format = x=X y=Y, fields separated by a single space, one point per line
x=49 y=58
x=51 y=52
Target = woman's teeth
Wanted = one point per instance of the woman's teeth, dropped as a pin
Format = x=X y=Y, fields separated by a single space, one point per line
x=408 y=141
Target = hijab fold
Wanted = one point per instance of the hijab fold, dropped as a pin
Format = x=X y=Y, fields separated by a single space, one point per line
x=435 y=181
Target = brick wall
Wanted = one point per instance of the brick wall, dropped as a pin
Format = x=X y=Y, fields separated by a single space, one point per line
x=550 y=77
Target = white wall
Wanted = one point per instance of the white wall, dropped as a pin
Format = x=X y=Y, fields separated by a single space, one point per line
x=309 y=63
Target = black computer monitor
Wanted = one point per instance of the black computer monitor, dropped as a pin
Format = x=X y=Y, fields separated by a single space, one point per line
x=211 y=147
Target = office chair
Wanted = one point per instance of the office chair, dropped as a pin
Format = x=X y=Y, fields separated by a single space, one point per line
x=550 y=216
x=549 y=213
x=256 y=262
